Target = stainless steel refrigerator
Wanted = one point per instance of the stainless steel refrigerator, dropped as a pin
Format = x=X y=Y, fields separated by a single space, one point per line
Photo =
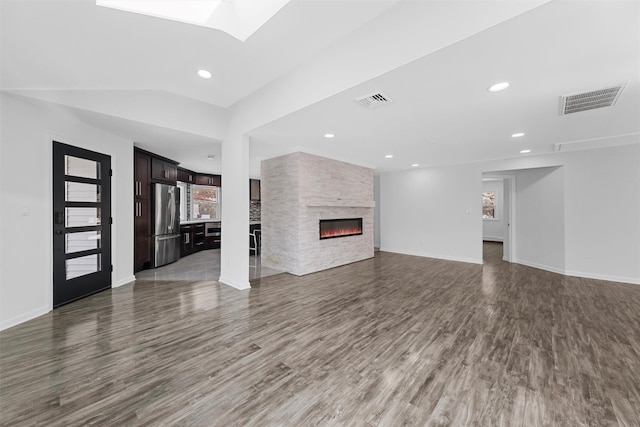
x=166 y=223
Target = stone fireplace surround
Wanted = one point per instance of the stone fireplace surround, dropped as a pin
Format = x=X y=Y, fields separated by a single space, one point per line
x=298 y=190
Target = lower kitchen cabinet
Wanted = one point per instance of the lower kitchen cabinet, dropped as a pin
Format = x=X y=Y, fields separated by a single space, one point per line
x=186 y=240
x=198 y=237
x=194 y=238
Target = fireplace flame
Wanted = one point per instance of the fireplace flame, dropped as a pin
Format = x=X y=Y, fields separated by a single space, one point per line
x=330 y=228
x=341 y=232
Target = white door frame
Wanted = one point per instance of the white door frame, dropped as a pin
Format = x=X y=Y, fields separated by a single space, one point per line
x=510 y=219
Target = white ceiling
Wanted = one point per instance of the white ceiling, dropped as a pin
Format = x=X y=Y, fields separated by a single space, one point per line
x=441 y=111
x=76 y=45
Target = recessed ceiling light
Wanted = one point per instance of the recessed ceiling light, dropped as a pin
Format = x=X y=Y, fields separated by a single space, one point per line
x=204 y=74
x=499 y=86
x=517 y=135
x=329 y=135
x=525 y=151
x=415 y=165
x=389 y=156
x=211 y=156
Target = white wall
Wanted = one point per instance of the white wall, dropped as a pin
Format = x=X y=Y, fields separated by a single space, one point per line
x=27 y=129
x=154 y=107
x=540 y=218
x=602 y=214
x=432 y=212
x=494 y=229
x=376 y=211
x=422 y=211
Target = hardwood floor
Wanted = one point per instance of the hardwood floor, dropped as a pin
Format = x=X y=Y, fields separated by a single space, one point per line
x=394 y=340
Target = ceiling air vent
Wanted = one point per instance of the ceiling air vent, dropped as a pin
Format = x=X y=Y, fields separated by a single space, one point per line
x=590 y=100
x=373 y=100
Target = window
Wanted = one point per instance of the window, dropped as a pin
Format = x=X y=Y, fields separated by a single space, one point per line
x=488 y=205
x=182 y=190
x=205 y=202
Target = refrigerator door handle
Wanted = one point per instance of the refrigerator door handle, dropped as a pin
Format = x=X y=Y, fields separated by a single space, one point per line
x=175 y=236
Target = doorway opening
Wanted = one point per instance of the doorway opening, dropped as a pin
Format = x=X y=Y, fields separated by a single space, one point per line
x=497 y=216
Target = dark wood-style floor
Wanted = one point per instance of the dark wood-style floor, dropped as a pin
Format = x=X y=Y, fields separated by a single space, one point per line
x=395 y=340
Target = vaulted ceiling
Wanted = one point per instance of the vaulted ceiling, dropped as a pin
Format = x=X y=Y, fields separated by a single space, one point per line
x=297 y=77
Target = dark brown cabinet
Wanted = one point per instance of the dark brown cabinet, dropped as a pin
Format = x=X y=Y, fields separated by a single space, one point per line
x=164 y=171
x=186 y=242
x=142 y=232
x=211 y=243
x=198 y=237
x=142 y=167
x=141 y=212
x=254 y=190
x=194 y=239
x=187 y=176
x=204 y=179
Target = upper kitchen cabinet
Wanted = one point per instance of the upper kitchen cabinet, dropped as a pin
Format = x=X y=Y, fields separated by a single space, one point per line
x=164 y=170
x=254 y=190
x=187 y=176
x=213 y=180
x=142 y=168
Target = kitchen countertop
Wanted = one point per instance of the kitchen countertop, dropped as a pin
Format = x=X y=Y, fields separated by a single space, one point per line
x=198 y=221
x=202 y=221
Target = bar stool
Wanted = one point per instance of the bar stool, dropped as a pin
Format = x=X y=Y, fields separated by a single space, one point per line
x=254 y=242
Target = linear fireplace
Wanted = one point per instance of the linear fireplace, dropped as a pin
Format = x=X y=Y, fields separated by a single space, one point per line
x=332 y=228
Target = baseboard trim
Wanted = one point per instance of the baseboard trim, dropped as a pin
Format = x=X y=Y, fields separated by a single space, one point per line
x=234 y=284
x=541 y=266
x=124 y=281
x=427 y=255
x=620 y=279
x=6 y=324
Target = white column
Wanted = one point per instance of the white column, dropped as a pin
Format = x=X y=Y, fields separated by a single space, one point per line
x=234 y=262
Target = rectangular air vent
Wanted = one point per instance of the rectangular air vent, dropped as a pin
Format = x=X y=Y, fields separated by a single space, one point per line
x=373 y=100
x=589 y=100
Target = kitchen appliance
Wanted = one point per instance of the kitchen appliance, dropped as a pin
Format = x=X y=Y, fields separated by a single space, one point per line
x=166 y=224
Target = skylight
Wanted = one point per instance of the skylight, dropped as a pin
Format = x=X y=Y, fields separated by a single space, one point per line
x=238 y=18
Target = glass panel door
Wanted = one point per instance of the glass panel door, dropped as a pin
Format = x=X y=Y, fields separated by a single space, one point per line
x=81 y=223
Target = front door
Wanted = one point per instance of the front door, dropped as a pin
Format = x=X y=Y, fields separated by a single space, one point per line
x=81 y=223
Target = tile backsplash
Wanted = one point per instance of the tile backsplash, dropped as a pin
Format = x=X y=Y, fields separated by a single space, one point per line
x=254 y=211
